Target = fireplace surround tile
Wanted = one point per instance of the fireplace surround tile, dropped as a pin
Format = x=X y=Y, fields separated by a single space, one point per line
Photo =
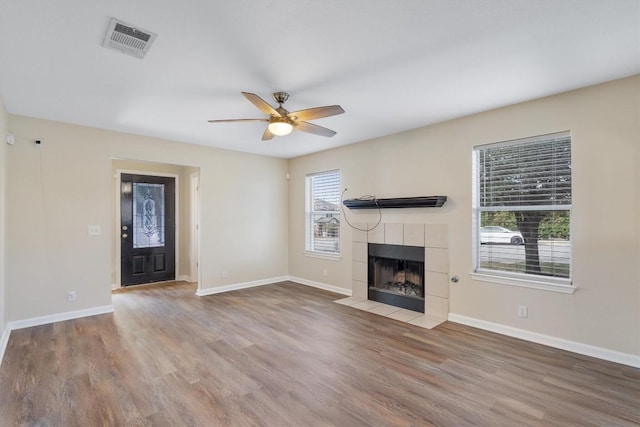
x=434 y=237
x=377 y=234
x=360 y=271
x=393 y=234
x=427 y=322
x=391 y=312
x=358 y=233
x=349 y=301
x=436 y=306
x=404 y=315
x=436 y=259
x=359 y=251
x=384 y=309
x=360 y=289
x=437 y=284
x=414 y=234
x=367 y=305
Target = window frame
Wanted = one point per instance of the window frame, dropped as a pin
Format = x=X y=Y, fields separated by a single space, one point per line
x=310 y=213
x=522 y=279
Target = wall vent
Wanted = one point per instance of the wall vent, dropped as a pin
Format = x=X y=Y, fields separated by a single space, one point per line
x=128 y=39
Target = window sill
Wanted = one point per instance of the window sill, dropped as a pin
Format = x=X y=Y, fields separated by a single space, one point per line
x=561 y=285
x=330 y=257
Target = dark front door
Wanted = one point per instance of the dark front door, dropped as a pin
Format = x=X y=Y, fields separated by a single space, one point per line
x=147 y=233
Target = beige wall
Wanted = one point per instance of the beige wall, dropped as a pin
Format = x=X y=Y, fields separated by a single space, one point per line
x=58 y=189
x=251 y=217
x=183 y=227
x=4 y=128
x=436 y=160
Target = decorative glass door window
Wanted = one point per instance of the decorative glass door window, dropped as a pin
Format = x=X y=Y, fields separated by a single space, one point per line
x=148 y=215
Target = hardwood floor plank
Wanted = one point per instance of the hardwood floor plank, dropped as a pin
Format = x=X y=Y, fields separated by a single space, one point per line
x=287 y=355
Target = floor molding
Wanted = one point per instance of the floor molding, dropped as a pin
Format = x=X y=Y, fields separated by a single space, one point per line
x=59 y=317
x=298 y=280
x=4 y=341
x=237 y=286
x=573 y=346
x=330 y=288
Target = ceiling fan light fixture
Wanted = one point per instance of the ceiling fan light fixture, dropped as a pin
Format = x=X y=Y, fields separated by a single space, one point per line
x=280 y=127
x=281 y=122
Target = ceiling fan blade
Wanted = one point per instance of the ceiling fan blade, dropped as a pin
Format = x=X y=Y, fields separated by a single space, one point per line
x=237 y=120
x=261 y=104
x=267 y=135
x=316 y=113
x=314 y=129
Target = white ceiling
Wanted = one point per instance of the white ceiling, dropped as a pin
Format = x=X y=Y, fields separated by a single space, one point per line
x=393 y=65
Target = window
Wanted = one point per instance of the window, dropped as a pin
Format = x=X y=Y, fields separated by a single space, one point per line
x=523 y=209
x=322 y=222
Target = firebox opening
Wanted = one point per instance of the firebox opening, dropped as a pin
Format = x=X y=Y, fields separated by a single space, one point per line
x=400 y=277
x=396 y=275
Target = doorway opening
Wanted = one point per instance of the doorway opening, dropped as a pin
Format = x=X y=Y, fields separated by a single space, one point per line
x=155 y=220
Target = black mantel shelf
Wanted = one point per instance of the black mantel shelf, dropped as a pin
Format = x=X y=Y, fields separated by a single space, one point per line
x=396 y=202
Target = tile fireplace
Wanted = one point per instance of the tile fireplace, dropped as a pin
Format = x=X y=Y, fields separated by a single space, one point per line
x=431 y=240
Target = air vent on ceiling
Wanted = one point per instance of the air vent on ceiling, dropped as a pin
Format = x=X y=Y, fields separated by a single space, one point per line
x=128 y=39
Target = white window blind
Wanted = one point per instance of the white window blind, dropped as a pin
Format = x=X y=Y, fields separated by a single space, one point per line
x=322 y=235
x=523 y=207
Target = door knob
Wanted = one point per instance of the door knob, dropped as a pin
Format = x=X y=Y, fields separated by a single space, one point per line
x=125 y=235
x=124 y=227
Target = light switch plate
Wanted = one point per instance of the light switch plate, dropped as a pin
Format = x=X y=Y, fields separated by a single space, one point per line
x=95 y=230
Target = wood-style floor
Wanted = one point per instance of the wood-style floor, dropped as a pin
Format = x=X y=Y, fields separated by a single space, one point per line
x=286 y=355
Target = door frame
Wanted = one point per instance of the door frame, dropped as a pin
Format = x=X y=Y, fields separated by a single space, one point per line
x=117 y=261
x=194 y=251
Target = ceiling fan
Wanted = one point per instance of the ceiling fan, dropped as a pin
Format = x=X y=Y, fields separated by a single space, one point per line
x=282 y=122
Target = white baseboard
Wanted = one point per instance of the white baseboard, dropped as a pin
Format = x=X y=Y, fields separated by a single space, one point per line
x=59 y=317
x=330 y=288
x=237 y=286
x=183 y=279
x=4 y=341
x=573 y=346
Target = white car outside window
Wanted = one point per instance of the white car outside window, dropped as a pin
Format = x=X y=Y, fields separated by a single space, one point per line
x=496 y=234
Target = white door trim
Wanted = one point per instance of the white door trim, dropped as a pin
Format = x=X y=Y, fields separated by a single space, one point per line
x=194 y=252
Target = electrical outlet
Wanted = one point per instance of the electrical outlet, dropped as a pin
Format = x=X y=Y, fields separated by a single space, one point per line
x=71 y=296
x=225 y=274
x=325 y=273
x=523 y=311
